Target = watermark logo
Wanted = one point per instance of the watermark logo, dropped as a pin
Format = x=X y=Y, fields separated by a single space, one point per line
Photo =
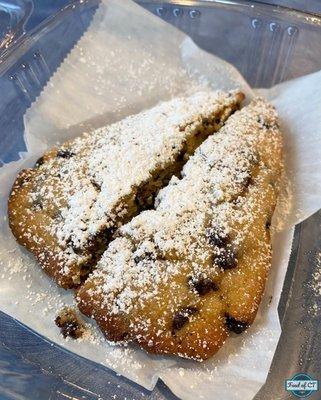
x=302 y=385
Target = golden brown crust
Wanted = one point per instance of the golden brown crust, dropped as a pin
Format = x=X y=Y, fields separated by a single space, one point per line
x=28 y=224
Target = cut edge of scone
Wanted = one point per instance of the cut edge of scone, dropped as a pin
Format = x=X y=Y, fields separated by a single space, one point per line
x=29 y=219
x=199 y=309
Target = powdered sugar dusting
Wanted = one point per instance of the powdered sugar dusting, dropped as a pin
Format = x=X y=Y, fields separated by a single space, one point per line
x=131 y=148
x=87 y=188
x=229 y=183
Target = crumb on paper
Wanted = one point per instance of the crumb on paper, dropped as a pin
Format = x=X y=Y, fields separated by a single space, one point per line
x=70 y=324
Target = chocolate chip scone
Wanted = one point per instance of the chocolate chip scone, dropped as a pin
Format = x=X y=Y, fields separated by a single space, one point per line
x=66 y=208
x=179 y=278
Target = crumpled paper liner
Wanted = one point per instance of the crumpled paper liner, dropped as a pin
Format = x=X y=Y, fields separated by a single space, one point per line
x=129 y=60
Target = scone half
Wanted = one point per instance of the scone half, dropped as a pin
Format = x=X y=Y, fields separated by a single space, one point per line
x=66 y=209
x=180 y=278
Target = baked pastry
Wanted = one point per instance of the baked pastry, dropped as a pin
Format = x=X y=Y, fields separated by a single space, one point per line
x=66 y=208
x=179 y=278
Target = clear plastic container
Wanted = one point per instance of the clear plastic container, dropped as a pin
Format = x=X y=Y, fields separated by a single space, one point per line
x=267 y=45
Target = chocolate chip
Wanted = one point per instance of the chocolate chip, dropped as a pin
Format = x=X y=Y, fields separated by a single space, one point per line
x=69 y=326
x=76 y=249
x=247 y=181
x=137 y=259
x=95 y=185
x=203 y=285
x=37 y=204
x=39 y=162
x=234 y=325
x=124 y=336
x=147 y=256
x=65 y=153
x=265 y=124
x=64 y=171
x=260 y=120
x=70 y=329
x=218 y=121
x=226 y=259
x=217 y=237
x=179 y=321
x=181 y=318
x=268 y=224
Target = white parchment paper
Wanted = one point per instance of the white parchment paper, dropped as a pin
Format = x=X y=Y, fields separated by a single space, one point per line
x=129 y=60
